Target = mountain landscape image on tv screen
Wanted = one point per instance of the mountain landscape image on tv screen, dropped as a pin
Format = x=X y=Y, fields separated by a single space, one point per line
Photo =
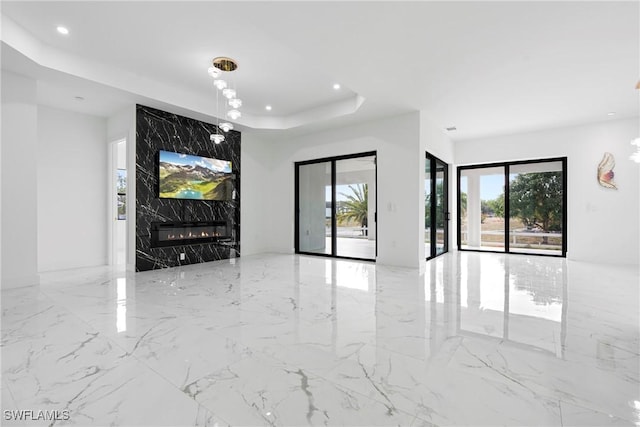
x=185 y=176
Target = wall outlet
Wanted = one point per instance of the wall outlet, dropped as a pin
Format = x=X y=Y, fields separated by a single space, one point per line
x=182 y=257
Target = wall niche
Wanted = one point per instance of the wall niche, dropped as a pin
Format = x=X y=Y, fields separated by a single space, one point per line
x=157 y=131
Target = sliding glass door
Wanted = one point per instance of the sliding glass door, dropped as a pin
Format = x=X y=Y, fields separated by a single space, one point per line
x=356 y=207
x=482 y=224
x=436 y=215
x=536 y=208
x=515 y=207
x=336 y=206
x=315 y=204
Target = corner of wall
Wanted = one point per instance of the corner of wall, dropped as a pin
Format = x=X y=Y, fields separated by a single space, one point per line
x=121 y=125
x=19 y=244
x=435 y=141
x=256 y=212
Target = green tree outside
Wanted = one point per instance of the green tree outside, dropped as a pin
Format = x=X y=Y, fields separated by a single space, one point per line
x=496 y=206
x=439 y=199
x=536 y=198
x=356 y=205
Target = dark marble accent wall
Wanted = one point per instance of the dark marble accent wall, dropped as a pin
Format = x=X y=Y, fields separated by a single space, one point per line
x=158 y=130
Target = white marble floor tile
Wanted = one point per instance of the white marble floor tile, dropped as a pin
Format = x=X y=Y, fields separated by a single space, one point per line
x=477 y=339
x=260 y=390
x=581 y=382
x=126 y=393
x=578 y=416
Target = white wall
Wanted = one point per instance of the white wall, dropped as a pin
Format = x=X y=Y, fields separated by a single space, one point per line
x=257 y=189
x=434 y=140
x=1 y=137
x=19 y=184
x=122 y=125
x=397 y=142
x=603 y=224
x=72 y=189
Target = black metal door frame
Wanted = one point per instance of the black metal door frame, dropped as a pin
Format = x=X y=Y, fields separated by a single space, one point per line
x=334 y=222
x=433 y=161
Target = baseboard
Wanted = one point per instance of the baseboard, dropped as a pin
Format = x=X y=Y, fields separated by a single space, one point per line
x=20 y=281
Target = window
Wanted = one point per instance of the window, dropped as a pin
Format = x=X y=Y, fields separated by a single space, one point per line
x=516 y=207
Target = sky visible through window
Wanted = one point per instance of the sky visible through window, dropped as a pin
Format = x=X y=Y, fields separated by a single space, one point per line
x=340 y=189
x=491 y=186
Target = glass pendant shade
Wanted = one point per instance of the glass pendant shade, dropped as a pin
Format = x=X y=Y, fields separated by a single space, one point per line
x=214 y=72
x=636 y=156
x=226 y=126
x=220 y=84
x=234 y=114
x=235 y=103
x=229 y=93
x=217 y=138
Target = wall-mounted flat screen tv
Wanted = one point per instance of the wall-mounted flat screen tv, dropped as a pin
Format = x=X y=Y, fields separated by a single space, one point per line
x=185 y=176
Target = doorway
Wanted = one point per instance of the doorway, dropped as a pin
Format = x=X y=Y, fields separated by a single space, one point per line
x=436 y=211
x=336 y=207
x=118 y=206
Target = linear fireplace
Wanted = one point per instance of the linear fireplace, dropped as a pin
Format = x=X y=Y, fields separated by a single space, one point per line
x=188 y=233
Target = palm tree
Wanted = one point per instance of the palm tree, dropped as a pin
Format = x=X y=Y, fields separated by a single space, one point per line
x=356 y=207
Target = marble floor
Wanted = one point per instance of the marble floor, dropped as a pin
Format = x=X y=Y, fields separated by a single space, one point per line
x=480 y=339
x=353 y=247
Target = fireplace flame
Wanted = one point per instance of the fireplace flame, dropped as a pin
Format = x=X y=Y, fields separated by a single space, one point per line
x=194 y=234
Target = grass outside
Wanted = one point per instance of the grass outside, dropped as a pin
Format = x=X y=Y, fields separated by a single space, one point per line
x=497 y=240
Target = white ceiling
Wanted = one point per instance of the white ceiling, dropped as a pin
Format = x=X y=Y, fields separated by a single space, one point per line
x=487 y=68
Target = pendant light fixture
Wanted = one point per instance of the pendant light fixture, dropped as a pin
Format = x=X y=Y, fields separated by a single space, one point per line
x=221 y=66
x=217 y=138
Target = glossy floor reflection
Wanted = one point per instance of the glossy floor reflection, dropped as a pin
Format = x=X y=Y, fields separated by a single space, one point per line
x=479 y=339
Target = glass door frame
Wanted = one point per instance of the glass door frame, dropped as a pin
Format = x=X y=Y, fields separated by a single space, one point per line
x=506 y=166
x=334 y=221
x=433 y=206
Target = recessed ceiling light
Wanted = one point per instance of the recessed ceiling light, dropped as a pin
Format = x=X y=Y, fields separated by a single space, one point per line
x=62 y=30
x=611 y=113
x=336 y=86
x=268 y=108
